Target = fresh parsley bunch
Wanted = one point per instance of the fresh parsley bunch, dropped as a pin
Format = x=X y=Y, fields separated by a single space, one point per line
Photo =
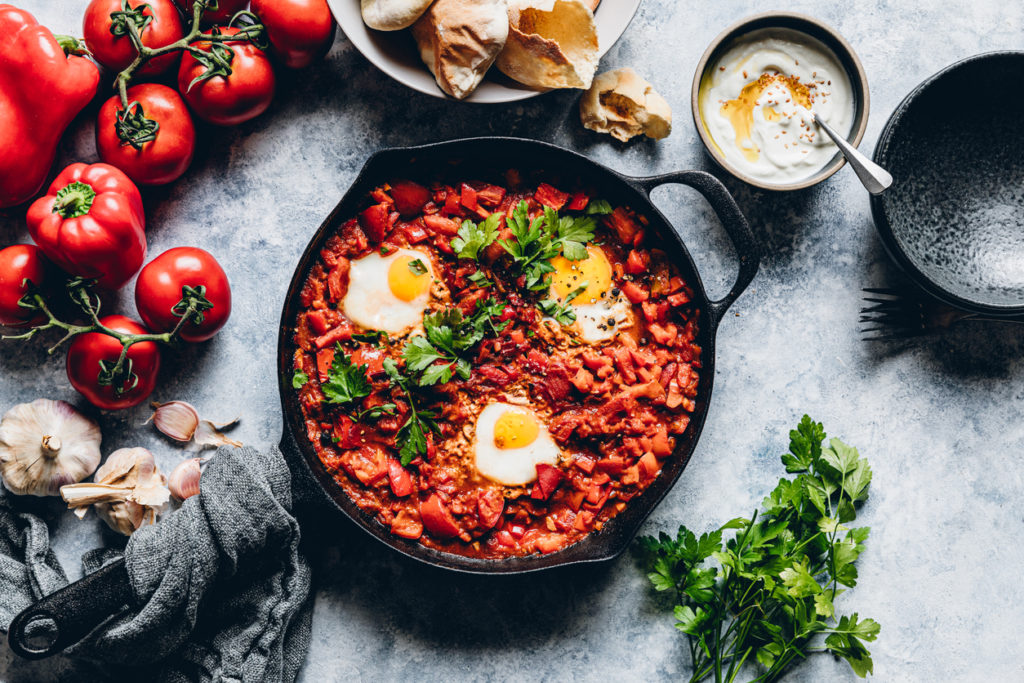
x=773 y=585
x=538 y=241
x=449 y=336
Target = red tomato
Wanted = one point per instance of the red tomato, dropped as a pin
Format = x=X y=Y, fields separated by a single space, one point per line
x=162 y=27
x=225 y=10
x=159 y=290
x=161 y=160
x=490 y=503
x=88 y=350
x=18 y=264
x=437 y=518
x=243 y=94
x=300 y=31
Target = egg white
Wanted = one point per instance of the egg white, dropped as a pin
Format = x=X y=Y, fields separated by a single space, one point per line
x=510 y=466
x=602 y=320
x=370 y=303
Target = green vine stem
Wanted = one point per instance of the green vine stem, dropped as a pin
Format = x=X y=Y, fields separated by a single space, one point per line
x=252 y=32
x=191 y=308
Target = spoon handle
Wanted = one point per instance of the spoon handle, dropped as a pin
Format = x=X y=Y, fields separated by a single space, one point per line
x=875 y=178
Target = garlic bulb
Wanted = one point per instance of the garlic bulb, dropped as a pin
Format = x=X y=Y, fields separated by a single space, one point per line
x=45 y=445
x=127 y=492
x=180 y=421
x=184 y=479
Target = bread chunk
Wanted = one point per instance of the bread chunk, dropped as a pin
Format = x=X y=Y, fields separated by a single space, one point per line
x=623 y=104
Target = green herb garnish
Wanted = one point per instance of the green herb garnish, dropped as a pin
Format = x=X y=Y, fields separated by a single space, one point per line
x=346 y=383
x=474 y=237
x=372 y=337
x=417 y=267
x=774 y=585
x=538 y=241
x=299 y=379
x=561 y=311
x=479 y=279
x=598 y=207
x=450 y=335
x=412 y=436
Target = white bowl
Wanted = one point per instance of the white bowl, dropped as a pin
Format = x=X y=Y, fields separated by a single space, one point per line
x=394 y=52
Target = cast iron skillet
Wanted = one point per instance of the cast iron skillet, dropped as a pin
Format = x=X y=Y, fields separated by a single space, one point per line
x=77 y=609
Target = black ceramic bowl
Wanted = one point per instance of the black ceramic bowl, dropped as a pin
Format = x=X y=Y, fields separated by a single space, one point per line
x=954 y=217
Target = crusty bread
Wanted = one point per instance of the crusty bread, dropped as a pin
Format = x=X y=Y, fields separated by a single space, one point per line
x=460 y=39
x=392 y=15
x=623 y=104
x=551 y=44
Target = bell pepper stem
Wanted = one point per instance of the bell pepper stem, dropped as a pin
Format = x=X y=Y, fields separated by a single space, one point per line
x=74 y=200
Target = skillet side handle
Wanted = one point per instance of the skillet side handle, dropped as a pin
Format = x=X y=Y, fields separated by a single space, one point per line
x=72 y=612
x=747 y=247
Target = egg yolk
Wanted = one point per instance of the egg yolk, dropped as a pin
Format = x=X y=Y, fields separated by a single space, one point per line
x=569 y=276
x=406 y=281
x=515 y=430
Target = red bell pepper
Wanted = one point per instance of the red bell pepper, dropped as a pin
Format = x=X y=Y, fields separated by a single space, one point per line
x=41 y=90
x=91 y=224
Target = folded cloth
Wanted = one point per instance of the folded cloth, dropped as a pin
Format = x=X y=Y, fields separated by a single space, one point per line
x=221 y=587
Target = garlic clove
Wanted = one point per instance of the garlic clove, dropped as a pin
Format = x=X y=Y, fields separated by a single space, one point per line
x=127 y=493
x=207 y=435
x=177 y=420
x=45 y=445
x=184 y=479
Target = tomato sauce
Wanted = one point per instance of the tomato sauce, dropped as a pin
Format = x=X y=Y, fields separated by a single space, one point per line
x=615 y=409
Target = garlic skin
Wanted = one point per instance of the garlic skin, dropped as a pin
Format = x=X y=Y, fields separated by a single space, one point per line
x=180 y=421
x=45 y=445
x=128 y=491
x=184 y=479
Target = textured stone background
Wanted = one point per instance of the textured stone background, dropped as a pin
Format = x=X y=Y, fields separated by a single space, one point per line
x=939 y=419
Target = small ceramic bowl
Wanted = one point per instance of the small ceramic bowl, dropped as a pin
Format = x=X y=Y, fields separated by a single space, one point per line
x=802 y=24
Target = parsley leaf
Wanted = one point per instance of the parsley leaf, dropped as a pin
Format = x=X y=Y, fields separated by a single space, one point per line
x=371 y=337
x=473 y=237
x=299 y=379
x=417 y=267
x=449 y=336
x=561 y=311
x=346 y=382
x=771 y=587
x=538 y=241
x=598 y=207
x=412 y=436
x=479 y=278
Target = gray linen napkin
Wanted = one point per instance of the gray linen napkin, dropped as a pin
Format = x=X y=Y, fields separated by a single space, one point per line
x=221 y=587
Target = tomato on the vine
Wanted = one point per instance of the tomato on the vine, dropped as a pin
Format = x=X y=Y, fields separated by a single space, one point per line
x=225 y=10
x=21 y=264
x=95 y=353
x=164 y=150
x=161 y=301
x=105 y=28
x=300 y=31
x=227 y=83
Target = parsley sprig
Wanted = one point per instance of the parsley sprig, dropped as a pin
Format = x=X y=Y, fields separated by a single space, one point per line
x=346 y=382
x=412 y=436
x=561 y=311
x=449 y=336
x=776 y=580
x=536 y=242
x=474 y=237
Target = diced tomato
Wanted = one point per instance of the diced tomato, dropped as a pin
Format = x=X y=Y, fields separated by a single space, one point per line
x=444 y=244
x=655 y=312
x=584 y=462
x=504 y=538
x=410 y=197
x=623 y=225
x=401 y=480
x=575 y=500
x=584 y=520
x=324 y=358
x=661 y=445
x=549 y=543
x=372 y=358
x=490 y=504
x=663 y=335
x=678 y=299
x=549 y=196
x=548 y=479
x=452 y=205
x=318 y=322
x=340 y=332
x=625 y=365
x=675 y=283
x=583 y=380
x=337 y=281
x=437 y=518
x=634 y=292
x=517 y=530
x=649 y=466
x=467 y=197
x=368 y=464
x=414 y=232
x=441 y=225
x=345 y=434
x=613 y=464
x=376 y=221
x=601 y=478
x=407 y=524
x=578 y=202
x=491 y=195
x=638 y=261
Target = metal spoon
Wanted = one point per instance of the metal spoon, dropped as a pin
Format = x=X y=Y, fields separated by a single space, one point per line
x=875 y=179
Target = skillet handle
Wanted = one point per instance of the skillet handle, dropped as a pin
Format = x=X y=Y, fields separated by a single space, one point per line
x=747 y=247
x=71 y=613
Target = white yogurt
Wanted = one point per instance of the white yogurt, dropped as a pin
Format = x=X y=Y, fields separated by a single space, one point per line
x=757 y=103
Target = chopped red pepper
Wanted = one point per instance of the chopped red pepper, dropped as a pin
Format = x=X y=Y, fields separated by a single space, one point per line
x=578 y=202
x=401 y=480
x=410 y=197
x=324 y=358
x=548 y=479
x=549 y=196
x=437 y=518
x=376 y=221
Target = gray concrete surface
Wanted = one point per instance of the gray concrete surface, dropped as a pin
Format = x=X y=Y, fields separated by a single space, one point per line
x=939 y=419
